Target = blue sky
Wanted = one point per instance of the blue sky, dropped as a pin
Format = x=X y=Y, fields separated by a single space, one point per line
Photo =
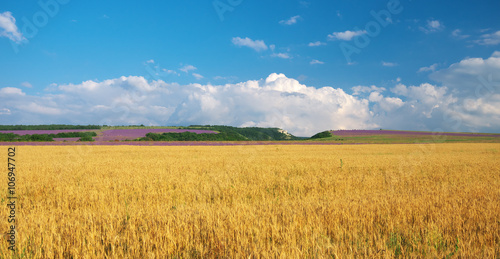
x=183 y=48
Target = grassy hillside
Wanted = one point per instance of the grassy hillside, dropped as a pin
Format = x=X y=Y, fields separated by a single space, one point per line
x=250 y=133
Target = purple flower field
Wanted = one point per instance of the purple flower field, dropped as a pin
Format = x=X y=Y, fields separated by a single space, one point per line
x=356 y=133
x=107 y=135
x=31 y=132
x=131 y=134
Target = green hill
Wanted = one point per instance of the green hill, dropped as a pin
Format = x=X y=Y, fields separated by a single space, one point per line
x=249 y=133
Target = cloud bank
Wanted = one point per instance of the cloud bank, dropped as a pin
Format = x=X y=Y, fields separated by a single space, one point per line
x=276 y=101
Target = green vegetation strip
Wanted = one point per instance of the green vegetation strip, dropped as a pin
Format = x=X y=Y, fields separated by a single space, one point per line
x=11 y=137
x=48 y=127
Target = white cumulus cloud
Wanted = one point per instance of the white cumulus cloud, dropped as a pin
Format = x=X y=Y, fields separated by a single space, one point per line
x=281 y=55
x=432 y=26
x=315 y=61
x=11 y=91
x=257 y=45
x=389 y=64
x=198 y=76
x=360 y=89
x=275 y=101
x=316 y=44
x=187 y=68
x=26 y=84
x=429 y=68
x=8 y=28
x=457 y=33
x=489 y=39
x=291 y=21
x=346 y=35
x=471 y=75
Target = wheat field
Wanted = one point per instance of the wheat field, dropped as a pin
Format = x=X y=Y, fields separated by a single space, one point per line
x=279 y=201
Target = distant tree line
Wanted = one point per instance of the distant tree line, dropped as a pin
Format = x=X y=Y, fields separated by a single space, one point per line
x=191 y=136
x=48 y=127
x=250 y=133
x=11 y=137
x=224 y=133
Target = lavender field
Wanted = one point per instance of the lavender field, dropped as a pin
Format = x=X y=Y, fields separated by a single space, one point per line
x=131 y=134
x=353 y=133
x=107 y=135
